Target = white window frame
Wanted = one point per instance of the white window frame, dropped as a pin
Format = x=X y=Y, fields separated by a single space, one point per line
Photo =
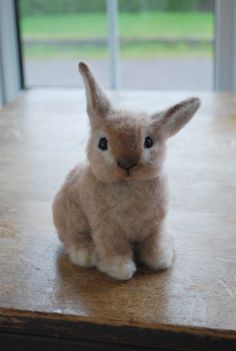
x=225 y=45
x=11 y=78
x=113 y=43
x=1 y=86
x=10 y=63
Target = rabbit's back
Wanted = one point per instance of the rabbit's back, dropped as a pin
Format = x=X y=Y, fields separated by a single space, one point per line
x=68 y=216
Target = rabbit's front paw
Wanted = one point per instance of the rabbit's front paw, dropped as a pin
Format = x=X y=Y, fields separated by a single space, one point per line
x=162 y=260
x=84 y=257
x=118 y=269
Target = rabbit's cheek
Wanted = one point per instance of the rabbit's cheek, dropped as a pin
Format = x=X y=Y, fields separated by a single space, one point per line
x=107 y=173
x=108 y=158
x=144 y=171
x=145 y=157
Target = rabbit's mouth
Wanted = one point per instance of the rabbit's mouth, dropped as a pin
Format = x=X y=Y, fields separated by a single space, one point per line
x=141 y=173
x=130 y=173
x=127 y=174
x=127 y=167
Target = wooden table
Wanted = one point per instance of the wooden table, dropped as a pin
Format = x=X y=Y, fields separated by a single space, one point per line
x=45 y=299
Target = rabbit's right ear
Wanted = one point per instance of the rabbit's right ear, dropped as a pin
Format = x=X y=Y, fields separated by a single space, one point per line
x=98 y=104
x=172 y=120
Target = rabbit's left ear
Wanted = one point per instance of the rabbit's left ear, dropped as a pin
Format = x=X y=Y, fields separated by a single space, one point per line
x=98 y=104
x=172 y=120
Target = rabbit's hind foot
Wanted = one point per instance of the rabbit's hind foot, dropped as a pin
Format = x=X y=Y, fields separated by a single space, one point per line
x=84 y=256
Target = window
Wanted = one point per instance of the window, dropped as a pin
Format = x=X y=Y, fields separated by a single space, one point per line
x=55 y=35
x=167 y=44
x=160 y=44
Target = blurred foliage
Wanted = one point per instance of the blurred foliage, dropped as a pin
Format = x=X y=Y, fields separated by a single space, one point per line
x=139 y=25
x=37 y=7
x=166 y=5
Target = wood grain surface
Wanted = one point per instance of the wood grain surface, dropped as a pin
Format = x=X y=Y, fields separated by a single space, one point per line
x=43 y=134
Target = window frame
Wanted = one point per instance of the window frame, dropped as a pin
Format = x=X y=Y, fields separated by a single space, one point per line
x=225 y=45
x=113 y=43
x=11 y=69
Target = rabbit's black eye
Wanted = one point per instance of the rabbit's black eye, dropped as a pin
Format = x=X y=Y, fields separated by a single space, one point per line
x=103 y=144
x=148 y=142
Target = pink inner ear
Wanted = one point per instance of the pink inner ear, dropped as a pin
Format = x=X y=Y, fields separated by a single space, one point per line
x=174 y=109
x=188 y=107
x=175 y=118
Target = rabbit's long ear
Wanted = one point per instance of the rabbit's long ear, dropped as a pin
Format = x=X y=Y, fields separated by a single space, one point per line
x=172 y=120
x=97 y=102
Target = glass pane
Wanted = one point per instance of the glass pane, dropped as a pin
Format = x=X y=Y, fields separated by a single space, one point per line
x=167 y=44
x=57 y=34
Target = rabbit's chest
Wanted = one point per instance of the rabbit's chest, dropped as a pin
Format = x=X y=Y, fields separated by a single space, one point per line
x=134 y=208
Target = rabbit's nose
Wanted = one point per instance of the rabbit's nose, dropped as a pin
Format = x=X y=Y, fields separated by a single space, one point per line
x=126 y=164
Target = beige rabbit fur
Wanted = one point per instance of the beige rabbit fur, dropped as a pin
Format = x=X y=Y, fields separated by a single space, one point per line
x=117 y=202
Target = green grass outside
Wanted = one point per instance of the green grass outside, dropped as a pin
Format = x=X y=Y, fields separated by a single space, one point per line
x=134 y=51
x=132 y=25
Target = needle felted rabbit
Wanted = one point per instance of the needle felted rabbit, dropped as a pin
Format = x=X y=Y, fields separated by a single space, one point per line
x=117 y=202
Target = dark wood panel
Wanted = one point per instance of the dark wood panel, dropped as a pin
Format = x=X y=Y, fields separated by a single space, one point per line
x=12 y=342
x=82 y=333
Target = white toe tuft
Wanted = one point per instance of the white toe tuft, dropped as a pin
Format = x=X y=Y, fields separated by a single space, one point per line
x=163 y=260
x=83 y=257
x=121 y=270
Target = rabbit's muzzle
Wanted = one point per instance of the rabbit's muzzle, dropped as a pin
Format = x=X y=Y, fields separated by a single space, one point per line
x=127 y=164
